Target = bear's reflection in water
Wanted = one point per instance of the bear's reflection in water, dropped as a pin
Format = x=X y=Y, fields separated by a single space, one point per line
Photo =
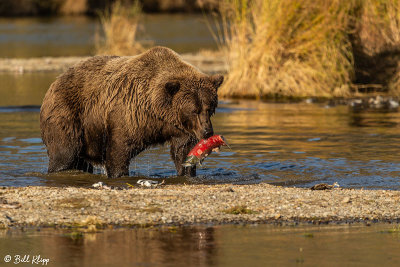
x=140 y=247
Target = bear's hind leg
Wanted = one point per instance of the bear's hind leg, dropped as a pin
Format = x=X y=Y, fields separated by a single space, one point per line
x=82 y=165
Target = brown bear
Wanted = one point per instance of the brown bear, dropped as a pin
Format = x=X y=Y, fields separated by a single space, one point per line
x=106 y=110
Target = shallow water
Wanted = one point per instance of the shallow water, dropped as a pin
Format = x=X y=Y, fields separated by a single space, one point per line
x=228 y=245
x=284 y=144
x=75 y=36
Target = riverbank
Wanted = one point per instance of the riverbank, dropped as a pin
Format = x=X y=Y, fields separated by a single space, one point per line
x=207 y=63
x=192 y=204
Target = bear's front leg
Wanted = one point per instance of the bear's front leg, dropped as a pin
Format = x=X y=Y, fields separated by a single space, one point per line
x=118 y=157
x=180 y=147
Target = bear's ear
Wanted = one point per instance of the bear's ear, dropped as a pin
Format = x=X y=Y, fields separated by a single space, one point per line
x=217 y=80
x=172 y=87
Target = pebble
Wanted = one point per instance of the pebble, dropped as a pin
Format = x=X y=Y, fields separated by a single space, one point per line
x=149 y=183
x=100 y=185
x=346 y=200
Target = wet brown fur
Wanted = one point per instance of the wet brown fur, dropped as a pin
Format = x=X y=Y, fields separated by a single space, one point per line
x=107 y=109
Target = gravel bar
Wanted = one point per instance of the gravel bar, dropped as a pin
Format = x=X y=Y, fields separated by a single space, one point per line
x=193 y=204
x=208 y=64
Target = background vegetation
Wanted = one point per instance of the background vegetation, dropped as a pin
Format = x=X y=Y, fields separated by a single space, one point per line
x=119 y=26
x=293 y=48
x=274 y=48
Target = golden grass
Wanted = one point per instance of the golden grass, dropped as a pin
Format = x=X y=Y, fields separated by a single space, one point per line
x=379 y=26
x=302 y=48
x=73 y=7
x=120 y=27
x=379 y=35
x=394 y=83
x=386 y=28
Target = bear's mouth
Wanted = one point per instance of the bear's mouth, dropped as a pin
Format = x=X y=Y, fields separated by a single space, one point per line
x=196 y=129
x=202 y=134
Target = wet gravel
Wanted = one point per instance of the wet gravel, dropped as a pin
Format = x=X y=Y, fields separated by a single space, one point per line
x=192 y=204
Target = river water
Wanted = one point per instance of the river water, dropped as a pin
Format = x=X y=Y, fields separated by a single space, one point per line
x=229 y=245
x=285 y=144
x=75 y=36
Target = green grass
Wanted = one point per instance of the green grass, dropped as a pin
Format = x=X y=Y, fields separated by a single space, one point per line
x=393 y=230
x=308 y=235
x=239 y=210
x=74 y=235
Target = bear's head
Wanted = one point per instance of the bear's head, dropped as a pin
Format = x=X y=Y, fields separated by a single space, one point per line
x=189 y=101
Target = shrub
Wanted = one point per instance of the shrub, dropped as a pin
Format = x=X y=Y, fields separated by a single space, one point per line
x=119 y=26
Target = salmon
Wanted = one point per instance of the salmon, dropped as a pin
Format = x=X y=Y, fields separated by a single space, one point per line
x=204 y=148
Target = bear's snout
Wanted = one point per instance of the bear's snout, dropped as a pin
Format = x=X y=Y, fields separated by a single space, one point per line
x=204 y=133
x=203 y=127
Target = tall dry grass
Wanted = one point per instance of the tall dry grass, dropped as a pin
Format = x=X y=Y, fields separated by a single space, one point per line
x=73 y=7
x=381 y=20
x=287 y=48
x=302 y=48
x=376 y=43
x=119 y=26
x=378 y=26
